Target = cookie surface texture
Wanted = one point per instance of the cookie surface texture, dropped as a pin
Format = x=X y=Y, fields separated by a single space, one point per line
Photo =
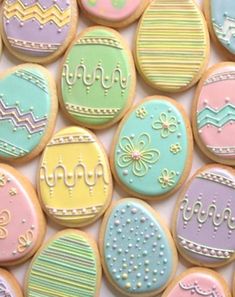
x=152 y=149
x=9 y=286
x=137 y=251
x=38 y=30
x=27 y=111
x=18 y=207
x=214 y=113
x=204 y=217
x=168 y=56
x=74 y=180
x=98 y=78
x=67 y=265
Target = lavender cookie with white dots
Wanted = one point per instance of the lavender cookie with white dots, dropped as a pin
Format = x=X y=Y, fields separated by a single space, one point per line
x=204 y=227
x=137 y=251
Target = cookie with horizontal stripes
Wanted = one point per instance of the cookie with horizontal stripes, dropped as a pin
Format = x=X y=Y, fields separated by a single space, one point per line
x=172 y=45
x=67 y=265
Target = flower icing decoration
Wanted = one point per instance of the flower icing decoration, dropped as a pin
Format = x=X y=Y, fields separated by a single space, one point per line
x=141 y=113
x=138 y=154
x=167 y=178
x=175 y=148
x=5 y=218
x=3 y=180
x=25 y=241
x=166 y=124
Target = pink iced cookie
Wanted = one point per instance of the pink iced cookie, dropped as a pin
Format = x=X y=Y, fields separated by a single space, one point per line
x=214 y=113
x=115 y=13
x=22 y=225
x=198 y=282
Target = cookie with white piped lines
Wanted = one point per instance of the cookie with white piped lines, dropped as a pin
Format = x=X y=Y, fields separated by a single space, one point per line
x=204 y=220
x=9 y=286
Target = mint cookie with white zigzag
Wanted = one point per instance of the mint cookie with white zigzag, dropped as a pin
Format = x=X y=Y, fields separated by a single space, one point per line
x=214 y=113
x=28 y=108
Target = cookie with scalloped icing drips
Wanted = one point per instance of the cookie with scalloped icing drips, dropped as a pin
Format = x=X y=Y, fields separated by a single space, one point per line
x=198 y=282
x=204 y=221
x=138 y=254
x=38 y=31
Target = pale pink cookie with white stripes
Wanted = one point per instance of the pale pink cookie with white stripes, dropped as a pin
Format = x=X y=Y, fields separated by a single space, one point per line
x=113 y=13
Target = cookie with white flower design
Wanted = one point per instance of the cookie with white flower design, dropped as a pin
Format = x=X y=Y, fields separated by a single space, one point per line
x=9 y=286
x=151 y=154
x=22 y=224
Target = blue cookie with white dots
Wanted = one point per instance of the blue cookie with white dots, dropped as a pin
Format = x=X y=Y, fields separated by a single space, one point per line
x=138 y=254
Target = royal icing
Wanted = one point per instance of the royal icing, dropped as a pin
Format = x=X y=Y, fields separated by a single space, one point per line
x=37 y=28
x=17 y=208
x=205 y=221
x=25 y=110
x=169 y=56
x=223 y=22
x=197 y=282
x=152 y=148
x=215 y=116
x=98 y=78
x=111 y=10
x=5 y=288
x=138 y=253
x=68 y=265
x=75 y=182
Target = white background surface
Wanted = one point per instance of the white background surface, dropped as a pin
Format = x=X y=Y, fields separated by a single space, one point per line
x=165 y=207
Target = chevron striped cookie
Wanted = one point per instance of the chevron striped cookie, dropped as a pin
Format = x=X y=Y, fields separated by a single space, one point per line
x=27 y=111
x=214 y=113
x=38 y=30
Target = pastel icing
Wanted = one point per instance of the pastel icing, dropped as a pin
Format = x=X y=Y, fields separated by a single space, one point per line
x=151 y=150
x=197 y=283
x=111 y=10
x=75 y=183
x=137 y=252
x=205 y=222
x=169 y=56
x=24 y=111
x=68 y=265
x=5 y=288
x=216 y=112
x=37 y=28
x=98 y=78
x=19 y=220
x=223 y=22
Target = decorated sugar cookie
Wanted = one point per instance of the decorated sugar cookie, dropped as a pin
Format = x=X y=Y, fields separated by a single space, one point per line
x=74 y=178
x=172 y=45
x=204 y=226
x=220 y=17
x=198 y=282
x=9 y=286
x=38 y=30
x=67 y=265
x=97 y=78
x=113 y=13
x=22 y=224
x=28 y=108
x=214 y=113
x=152 y=149
x=138 y=254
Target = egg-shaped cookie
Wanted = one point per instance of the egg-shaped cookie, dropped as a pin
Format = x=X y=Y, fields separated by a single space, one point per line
x=220 y=17
x=97 y=79
x=22 y=224
x=172 y=45
x=198 y=282
x=74 y=178
x=38 y=31
x=113 y=13
x=138 y=254
x=67 y=265
x=9 y=286
x=213 y=113
x=204 y=220
x=152 y=150
x=28 y=109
